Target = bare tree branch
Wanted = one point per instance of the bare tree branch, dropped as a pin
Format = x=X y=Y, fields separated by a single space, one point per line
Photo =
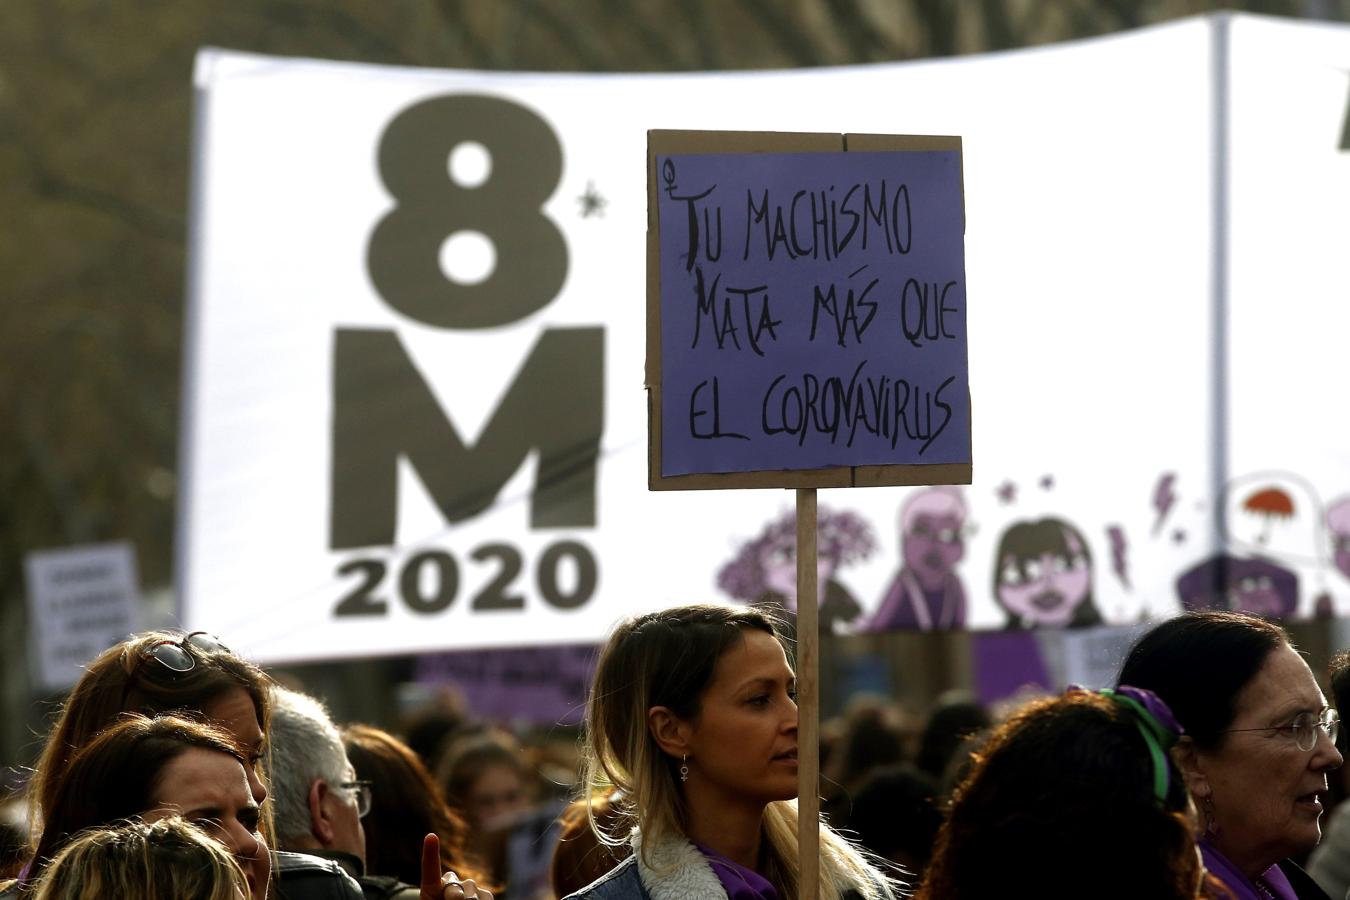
x=705 y=35
x=319 y=17
x=860 y=35
x=662 y=49
x=799 y=49
x=477 y=51
x=593 y=58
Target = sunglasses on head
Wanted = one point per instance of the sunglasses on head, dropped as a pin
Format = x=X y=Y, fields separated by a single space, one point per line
x=178 y=656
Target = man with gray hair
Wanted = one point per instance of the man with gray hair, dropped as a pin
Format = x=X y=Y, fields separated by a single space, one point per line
x=317 y=799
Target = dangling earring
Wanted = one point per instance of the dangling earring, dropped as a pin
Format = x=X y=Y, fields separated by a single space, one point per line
x=684 y=769
x=1211 y=824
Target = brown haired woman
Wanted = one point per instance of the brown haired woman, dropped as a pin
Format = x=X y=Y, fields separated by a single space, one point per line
x=153 y=673
x=406 y=805
x=1074 y=796
x=153 y=769
x=193 y=675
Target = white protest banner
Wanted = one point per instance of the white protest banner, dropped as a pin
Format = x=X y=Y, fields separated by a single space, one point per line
x=414 y=416
x=1286 y=506
x=81 y=601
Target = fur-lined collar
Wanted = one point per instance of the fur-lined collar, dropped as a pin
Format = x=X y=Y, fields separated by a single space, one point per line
x=675 y=869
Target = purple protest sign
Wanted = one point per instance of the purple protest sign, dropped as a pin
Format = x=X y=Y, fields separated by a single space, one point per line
x=812 y=311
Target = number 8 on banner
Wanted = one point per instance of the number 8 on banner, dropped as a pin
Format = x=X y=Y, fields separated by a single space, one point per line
x=404 y=250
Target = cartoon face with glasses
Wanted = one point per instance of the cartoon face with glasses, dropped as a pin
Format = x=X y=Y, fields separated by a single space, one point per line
x=927 y=592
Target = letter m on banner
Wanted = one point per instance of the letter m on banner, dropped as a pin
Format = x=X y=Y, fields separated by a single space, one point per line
x=384 y=410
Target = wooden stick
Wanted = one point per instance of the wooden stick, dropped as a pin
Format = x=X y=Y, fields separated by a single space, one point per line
x=808 y=699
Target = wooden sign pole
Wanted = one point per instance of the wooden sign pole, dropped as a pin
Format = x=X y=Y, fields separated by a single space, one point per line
x=808 y=699
x=701 y=393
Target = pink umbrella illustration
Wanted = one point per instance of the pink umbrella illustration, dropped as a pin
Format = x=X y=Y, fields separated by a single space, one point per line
x=1269 y=503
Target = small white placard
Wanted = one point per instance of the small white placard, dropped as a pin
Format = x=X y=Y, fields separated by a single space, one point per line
x=81 y=600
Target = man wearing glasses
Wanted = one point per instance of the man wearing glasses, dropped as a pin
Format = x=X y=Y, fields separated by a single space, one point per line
x=318 y=800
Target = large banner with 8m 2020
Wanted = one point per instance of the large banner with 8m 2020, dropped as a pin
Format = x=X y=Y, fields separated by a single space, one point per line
x=414 y=415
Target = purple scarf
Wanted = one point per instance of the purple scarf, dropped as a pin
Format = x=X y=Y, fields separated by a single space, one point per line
x=739 y=882
x=1243 y=888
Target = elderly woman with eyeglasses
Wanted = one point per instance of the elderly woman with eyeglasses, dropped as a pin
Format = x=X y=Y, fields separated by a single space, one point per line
x=1260 y=739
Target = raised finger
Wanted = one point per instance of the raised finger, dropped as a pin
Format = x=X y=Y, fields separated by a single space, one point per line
x=431 y=868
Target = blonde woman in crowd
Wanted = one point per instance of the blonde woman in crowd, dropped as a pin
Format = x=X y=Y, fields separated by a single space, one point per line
x=693 y=718
x=165 y=860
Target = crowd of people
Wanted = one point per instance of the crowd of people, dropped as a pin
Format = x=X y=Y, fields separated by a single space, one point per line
x=176 y=768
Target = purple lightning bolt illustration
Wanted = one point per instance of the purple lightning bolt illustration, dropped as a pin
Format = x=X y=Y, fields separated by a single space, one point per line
x=1120 y=563
x=1164 y=498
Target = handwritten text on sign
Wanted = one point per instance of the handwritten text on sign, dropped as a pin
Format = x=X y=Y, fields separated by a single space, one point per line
x=813 y=311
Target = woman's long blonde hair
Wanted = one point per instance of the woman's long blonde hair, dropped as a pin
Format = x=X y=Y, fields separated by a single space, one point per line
x=168 y=860
x=667 y=659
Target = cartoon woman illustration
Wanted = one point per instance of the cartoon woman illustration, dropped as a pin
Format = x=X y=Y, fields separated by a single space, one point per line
x=1253 y=585
x=1043 y=575
x=1338 y=523
x=764 y=571
x=927 y=593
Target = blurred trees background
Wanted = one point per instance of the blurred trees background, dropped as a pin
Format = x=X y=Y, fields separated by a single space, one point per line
x=95 y=126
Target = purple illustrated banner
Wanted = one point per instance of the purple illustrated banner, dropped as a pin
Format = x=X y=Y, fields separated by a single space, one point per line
x=813 y=311
x=536 y=685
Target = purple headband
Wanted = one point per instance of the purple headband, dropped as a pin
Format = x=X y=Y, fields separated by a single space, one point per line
x=1150 y=701
x=1156 y=725
x=1155 y=705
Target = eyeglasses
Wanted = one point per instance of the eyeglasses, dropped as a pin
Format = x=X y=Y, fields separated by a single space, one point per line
x=1304 y=728
x=361 y=789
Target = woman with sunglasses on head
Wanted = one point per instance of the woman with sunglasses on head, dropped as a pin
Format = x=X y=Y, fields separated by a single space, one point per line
x=1259 y=742
x=155 y=768
x=196 y=676
x=1074 y=796
x=692 y=716
x=152 y=673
